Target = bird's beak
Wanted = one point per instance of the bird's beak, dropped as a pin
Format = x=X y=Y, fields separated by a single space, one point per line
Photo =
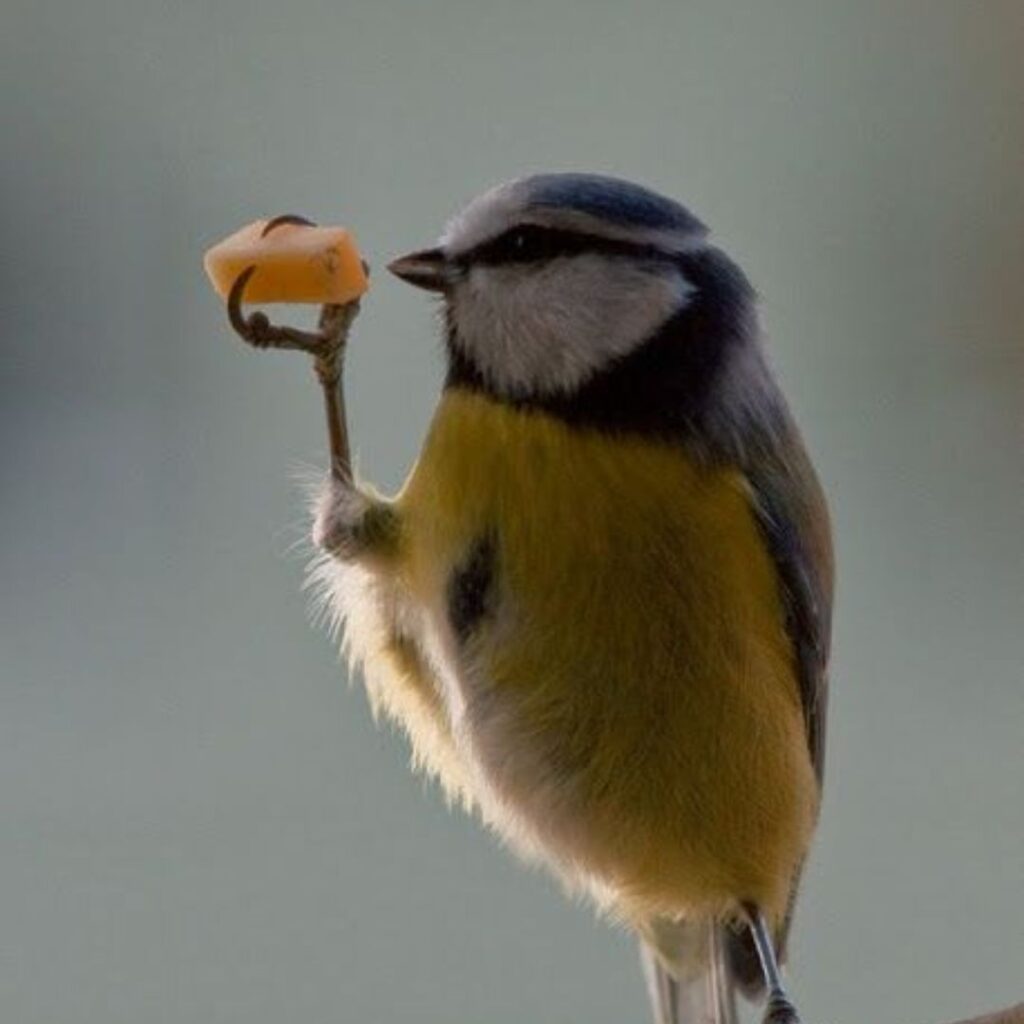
x=427 y=268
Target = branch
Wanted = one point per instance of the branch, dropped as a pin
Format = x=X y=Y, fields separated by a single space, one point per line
x=1011 y=1015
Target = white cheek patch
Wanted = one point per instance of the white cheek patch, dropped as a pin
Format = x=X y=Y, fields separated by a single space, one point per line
x=547 y=329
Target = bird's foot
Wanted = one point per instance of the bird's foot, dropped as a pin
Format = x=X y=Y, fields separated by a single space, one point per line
x=337 y=518
x=325 y=344
x=780 y=1010
x=349 y=523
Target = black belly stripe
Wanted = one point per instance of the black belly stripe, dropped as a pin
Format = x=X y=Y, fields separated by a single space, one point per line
x=471 y=588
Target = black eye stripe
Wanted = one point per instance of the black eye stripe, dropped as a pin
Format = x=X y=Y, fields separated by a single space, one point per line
x=531 y=243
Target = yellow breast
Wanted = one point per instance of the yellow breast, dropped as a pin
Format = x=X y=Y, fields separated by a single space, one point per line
x=631 y=698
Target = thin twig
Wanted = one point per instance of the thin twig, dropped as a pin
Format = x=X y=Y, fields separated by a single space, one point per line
x=326 y=346
x=1011 y=1015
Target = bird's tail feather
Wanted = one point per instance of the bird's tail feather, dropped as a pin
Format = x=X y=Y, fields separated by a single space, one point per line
x=688 y=973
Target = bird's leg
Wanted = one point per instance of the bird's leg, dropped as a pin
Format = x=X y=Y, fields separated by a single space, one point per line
x=780 y=1009
x=326 y=346
x=329 y=363
x=349 y=522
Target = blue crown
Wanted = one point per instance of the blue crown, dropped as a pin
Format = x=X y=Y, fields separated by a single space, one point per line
x=613 y=200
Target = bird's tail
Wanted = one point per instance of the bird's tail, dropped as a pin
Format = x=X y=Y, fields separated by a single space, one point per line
x=690 y=979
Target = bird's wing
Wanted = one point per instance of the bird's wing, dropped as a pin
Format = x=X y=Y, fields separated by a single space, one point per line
x=791 y=511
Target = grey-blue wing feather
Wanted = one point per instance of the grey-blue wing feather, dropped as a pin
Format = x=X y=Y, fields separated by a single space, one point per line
x=753 y=430
x=792 y=514
x=750 y=427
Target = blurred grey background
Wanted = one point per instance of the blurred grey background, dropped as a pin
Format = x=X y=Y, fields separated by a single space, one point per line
x=199 y=821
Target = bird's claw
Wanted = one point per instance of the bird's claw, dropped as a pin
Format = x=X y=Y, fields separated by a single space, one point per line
x=258 y=331
x=285 y=218
x=780 y=1011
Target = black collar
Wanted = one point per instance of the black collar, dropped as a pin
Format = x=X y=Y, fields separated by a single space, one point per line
x=667 y=385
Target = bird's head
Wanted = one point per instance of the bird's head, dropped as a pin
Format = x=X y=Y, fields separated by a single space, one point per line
x=598 y=300
x=547 y=279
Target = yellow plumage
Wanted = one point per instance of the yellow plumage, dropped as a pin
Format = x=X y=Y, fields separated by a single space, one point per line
x=628 y=708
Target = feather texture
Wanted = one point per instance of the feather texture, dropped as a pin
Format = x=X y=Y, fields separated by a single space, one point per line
x=627 y=710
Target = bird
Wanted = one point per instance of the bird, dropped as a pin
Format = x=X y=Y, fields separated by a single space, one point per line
x=600 y=604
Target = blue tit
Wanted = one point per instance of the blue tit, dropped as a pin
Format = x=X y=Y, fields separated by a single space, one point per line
x=599 y=606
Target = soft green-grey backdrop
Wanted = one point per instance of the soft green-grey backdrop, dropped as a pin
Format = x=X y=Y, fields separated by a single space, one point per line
x=199 y=821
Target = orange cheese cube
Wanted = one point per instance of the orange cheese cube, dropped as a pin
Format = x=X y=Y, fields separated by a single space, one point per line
x=294 y=263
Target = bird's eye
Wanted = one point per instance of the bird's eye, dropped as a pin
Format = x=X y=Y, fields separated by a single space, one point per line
x=526 y=243
x=521 y=245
